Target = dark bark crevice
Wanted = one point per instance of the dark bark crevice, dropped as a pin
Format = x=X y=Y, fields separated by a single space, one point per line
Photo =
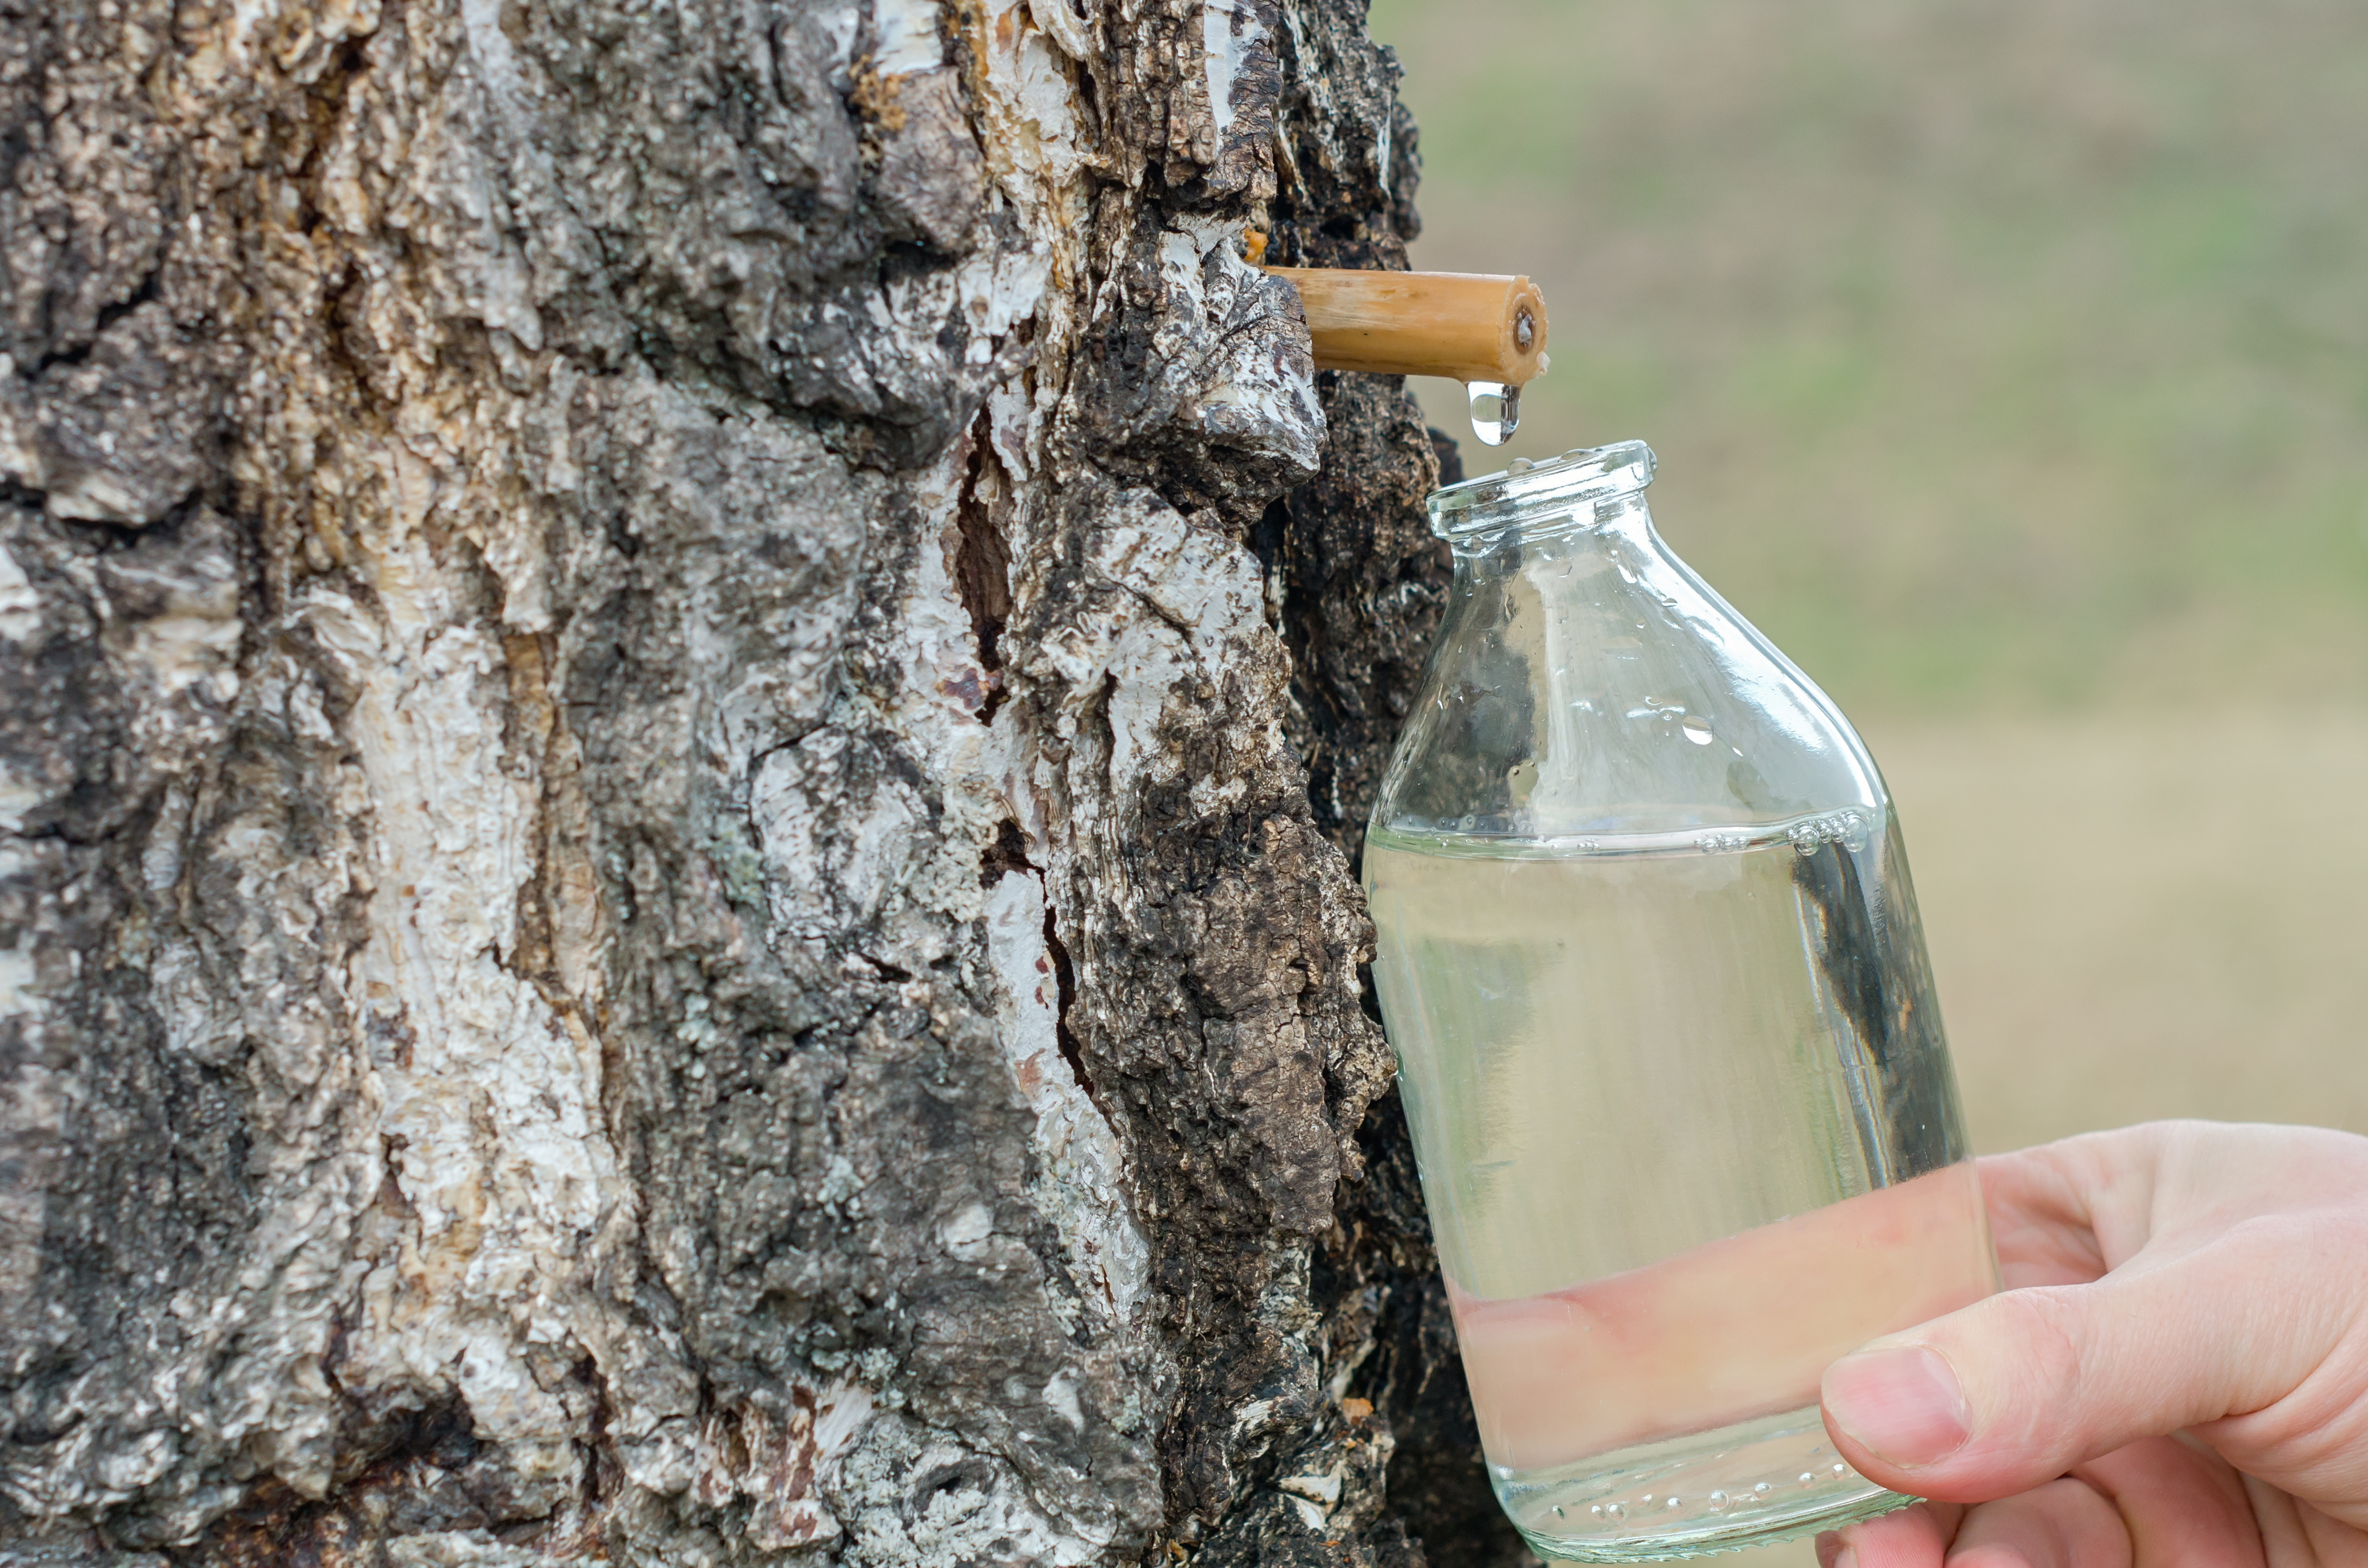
x=983 y=570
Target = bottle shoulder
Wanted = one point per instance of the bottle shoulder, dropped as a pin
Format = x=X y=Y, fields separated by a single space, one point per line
x=1588 y=683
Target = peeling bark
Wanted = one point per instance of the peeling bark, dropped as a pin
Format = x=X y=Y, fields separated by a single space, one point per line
x=689 y=694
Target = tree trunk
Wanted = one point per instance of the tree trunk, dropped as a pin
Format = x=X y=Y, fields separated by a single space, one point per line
x=689 y=688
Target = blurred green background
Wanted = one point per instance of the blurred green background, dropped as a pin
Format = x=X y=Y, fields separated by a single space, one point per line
x=2008 y=364
x=2007 y=356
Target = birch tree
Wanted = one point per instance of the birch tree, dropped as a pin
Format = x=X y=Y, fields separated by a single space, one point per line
x=688 y=689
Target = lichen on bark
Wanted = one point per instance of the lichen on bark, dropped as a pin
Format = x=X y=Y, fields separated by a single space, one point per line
x=659 y=898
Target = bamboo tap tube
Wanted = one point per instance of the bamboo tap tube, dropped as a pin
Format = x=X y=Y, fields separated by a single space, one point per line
x=1472 y=326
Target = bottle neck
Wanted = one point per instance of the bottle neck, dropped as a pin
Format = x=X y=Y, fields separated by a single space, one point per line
x=1625 y=522
x=1527 y=495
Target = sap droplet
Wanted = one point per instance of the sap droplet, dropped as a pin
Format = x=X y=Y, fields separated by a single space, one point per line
x=1697 y=732
x=1495 y=410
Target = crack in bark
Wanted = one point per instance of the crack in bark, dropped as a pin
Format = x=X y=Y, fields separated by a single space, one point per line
x=148 y=289
x=983 y=569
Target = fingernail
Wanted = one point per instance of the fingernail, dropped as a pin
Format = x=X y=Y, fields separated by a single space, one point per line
x=1830 y=1548
x=1903 y=1404
x=1846 y=1558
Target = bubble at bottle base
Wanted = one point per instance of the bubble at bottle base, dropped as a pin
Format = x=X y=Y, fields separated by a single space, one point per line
x=1495 y=410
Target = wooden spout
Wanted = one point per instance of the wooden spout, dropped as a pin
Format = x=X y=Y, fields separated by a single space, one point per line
x=1470 y=326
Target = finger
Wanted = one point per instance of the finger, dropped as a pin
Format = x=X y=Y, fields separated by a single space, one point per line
x=2293 y=1531
x=1911 y=1537
x=2042 y=1221
x=2012 y=1392
x=2064 y=1523
x=2181 y=1503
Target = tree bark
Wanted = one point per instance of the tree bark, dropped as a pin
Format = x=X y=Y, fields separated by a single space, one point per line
x=690 y=690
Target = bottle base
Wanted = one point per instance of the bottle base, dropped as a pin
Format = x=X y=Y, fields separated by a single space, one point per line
x=1706 y=1543
x=1749 y=1485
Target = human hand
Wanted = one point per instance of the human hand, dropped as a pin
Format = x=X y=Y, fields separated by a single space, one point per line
x=2177 y=1373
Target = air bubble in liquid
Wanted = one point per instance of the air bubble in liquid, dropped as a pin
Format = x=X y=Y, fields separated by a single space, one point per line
x=1762 y=1489
x=1718 y=1502
x=1596 y=1512
x=1840 y=1470
x=1697 y=732
x=1675 y=1504
x=1495 y=410
x=1614 y=1511
x=1808 y=1478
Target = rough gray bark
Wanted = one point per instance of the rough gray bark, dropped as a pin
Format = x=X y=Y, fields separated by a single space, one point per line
x=658 y=891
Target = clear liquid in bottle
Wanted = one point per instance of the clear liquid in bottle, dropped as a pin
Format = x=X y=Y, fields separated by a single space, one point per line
x=1684 y=1144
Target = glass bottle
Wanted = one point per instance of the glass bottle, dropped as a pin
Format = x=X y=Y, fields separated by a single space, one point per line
x=1650 y=958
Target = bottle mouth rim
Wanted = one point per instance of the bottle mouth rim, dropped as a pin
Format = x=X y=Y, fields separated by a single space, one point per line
x=1592 y=474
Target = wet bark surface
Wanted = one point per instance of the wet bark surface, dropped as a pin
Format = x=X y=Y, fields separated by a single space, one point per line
x=689 y=694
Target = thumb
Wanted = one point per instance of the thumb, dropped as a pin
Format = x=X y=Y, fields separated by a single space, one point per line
x=2012 y=1392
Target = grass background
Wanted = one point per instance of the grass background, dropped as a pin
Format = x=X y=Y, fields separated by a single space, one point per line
x=2008 y=364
